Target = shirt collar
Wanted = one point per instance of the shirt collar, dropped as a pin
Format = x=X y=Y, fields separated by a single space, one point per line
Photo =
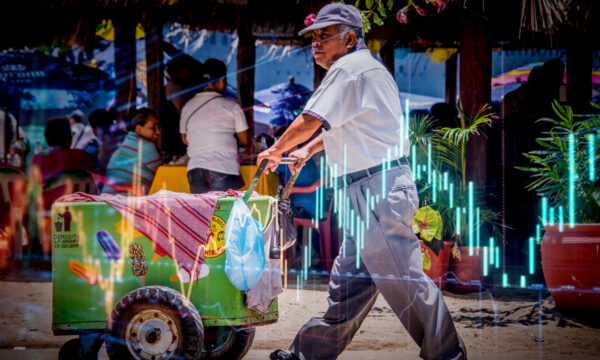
x=359 y=46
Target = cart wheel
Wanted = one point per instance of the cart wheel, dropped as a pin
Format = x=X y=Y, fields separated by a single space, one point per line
x=154 y=322
x=70 y=350
x=226 y=342
x=74 y=349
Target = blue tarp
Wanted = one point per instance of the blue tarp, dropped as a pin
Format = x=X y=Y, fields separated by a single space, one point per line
x=34 y=81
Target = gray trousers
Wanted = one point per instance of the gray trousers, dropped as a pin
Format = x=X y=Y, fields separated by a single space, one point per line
x=390 y=264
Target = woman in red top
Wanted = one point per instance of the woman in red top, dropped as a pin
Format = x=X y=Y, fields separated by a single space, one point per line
x=51 y=164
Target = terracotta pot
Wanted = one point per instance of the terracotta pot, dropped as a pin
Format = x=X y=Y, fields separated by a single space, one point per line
x=439 y=263
x=467 y=273
x=571 y=264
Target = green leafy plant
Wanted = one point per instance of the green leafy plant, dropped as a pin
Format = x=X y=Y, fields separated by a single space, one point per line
x=448 y=153
x=428 y=225
x=551 y=166
x=376 y=11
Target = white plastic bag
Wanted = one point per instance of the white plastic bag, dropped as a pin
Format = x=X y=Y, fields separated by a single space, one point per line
x=244 y=241
x=262 y=295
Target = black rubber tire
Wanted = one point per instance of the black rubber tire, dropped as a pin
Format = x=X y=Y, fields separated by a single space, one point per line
x=73 y=350
x=70 y=350
x=236 y=348
x=166 y=300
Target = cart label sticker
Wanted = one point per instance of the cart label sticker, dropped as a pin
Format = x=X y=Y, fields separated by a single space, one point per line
x=62 y=238
x=124 y=228
x=216 y=238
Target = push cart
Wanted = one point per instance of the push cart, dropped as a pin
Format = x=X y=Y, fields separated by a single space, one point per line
x=110 y=286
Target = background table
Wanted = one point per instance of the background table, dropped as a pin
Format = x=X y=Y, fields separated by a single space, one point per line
x=174 y=178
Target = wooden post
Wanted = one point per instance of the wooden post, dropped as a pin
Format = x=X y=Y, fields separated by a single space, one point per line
x=246 y=60
x=475 y=88
x=125 y=23
x=451 y=65
x=579 y=72
x=387 y=56
x=318 y=74
x=154 y=60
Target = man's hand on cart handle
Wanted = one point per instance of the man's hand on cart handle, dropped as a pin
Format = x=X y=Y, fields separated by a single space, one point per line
x=274 y=158
x=302 y=155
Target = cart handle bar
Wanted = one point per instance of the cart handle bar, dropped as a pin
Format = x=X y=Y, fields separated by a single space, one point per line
x=261 y=169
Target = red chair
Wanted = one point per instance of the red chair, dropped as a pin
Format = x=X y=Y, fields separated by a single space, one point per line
x=13 y=203
x=323 y=225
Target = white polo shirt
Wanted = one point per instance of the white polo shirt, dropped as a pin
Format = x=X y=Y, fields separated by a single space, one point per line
x=359 y=103
x=210 y=132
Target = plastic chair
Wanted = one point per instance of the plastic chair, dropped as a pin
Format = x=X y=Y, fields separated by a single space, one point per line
x=323 y=226
x=13 y=201
x=68 y=182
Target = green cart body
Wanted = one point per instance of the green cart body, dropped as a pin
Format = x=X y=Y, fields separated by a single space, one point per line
x=84 y=296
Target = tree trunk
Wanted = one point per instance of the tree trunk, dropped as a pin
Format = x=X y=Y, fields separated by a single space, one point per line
x=579 y=72
x=319 y=74
x=246 y=60
x=124 y=24
x=475 y=89
x=451 y=65
x=387 y=56
x=154 y=61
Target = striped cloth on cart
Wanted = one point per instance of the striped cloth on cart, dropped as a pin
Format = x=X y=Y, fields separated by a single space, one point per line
x=177 y=223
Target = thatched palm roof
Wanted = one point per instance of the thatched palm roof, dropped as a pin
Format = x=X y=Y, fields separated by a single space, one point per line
x=34 y=23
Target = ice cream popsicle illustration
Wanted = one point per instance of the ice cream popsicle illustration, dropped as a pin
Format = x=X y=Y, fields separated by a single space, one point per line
x=110 y=247
x=158 y=252
x=88 y=274
x=138 y=261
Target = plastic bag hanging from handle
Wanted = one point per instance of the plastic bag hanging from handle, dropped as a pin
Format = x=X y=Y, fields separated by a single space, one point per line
x=244 y=240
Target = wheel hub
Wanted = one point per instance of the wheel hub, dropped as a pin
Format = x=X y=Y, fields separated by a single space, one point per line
x=152 y=334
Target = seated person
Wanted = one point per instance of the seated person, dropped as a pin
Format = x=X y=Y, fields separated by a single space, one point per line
x=50 y=165
x=59 y=157
x=135 y=162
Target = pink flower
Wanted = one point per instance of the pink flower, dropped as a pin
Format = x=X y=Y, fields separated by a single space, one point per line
x=420 y=11
x=310 y=19
x=401 y=15
x=440 y=4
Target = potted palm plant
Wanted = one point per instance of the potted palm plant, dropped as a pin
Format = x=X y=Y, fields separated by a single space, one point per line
x=434 y=238
x=443 y=151
x=466 y=262
x=563 y=173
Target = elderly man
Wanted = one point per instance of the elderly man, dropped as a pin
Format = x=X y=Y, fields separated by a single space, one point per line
x=358 y=107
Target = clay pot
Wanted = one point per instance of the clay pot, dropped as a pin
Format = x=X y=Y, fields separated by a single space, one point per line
x=571 y=264
x=439 y=263
x=467 y=272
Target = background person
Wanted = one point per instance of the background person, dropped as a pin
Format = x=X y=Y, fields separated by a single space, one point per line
x=358 y=105
x=59 y=157
x=81 y=133
x=49 y=165
x=185 y=77
x=135 y=162
x=211 y=126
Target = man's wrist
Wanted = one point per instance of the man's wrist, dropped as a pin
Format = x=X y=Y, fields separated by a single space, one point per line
x=275 y=151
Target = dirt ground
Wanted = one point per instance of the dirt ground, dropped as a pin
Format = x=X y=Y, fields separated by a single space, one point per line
x=491 y=328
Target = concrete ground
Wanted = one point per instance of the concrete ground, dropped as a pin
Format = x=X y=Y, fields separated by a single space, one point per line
x=492 y=327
